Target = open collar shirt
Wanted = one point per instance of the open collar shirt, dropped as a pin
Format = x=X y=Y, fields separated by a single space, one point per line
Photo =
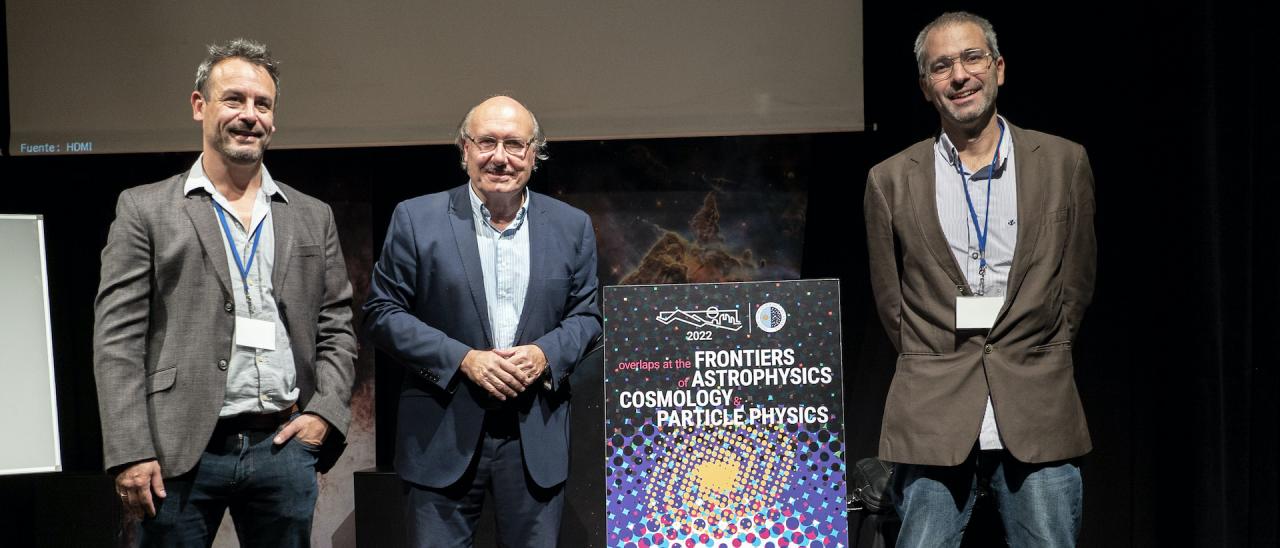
x=258 y=381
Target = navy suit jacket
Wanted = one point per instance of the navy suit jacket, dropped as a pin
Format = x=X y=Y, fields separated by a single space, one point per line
x=427 y=309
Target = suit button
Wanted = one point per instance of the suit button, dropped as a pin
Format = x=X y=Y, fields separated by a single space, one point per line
x=986 y=349
x=228 y=306
x=222 y=364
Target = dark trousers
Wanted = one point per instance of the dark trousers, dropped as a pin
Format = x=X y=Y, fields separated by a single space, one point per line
x=271 y=492
x=526 y=514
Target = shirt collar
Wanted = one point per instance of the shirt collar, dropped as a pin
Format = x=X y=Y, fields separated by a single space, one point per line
x=951 y=157
x=481 y=211
x=197 y=179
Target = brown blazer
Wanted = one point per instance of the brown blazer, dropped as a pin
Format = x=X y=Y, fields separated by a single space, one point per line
x=937 y=399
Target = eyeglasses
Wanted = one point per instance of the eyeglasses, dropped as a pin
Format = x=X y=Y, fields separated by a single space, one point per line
x=513 y=147
x=975 y=62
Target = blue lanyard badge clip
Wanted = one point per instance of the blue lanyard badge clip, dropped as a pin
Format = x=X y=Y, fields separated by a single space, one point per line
x=242 y=266
x=981 y=228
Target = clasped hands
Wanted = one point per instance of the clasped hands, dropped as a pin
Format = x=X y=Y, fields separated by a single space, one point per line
x=505 y=373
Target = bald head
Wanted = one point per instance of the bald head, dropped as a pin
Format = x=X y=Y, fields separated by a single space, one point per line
x=498 y=107
x=501 y=107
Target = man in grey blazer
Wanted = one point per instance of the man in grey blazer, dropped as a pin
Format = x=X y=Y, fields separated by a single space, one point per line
x=486 y=295
x=982 y=258
x=223 y=346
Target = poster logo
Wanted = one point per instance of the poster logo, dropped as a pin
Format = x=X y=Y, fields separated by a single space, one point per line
x=711 y=317
x=770 y=317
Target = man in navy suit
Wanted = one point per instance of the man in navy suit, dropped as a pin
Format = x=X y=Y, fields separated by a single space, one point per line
x=487 y=295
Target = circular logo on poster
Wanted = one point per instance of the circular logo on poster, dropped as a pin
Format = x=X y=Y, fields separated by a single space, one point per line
x=770 y=317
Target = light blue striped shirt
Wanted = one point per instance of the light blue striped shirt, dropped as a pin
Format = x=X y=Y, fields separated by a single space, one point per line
x=258 y=381
x=504 y=260
x=957 y=225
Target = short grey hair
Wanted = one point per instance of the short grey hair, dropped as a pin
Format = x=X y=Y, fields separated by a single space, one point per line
x=956 y=18
x=240 y=48
x=539 y=142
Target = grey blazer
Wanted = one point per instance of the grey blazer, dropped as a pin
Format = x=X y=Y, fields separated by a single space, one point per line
x=164 y=316
x=938 y=395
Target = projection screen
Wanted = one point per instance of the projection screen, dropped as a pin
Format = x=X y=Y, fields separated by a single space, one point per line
x=114 y=77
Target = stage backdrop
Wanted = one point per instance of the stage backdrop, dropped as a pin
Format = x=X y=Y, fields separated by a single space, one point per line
x=724 y=415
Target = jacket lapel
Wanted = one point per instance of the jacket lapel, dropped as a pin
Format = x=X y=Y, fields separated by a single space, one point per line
x=923 y=193
x=538 y=246
x=464 y=234
x=1031 y=204
x=199 y=208
x=283 y=226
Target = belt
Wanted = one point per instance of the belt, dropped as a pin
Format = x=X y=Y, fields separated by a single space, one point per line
x=260 y=422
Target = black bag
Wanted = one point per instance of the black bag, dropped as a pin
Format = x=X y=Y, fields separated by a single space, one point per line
x=871 y=479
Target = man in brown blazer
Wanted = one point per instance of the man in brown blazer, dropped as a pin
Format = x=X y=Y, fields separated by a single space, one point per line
x=982 y=258
x=223 y=346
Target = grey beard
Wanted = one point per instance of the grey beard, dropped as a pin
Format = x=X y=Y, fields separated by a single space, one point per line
x=240 y=156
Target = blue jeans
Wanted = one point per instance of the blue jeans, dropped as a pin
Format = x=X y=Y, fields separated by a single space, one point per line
x=1039 y=504
x=271 y=492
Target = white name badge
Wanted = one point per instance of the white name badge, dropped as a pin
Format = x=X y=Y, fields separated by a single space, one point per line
x=255 y=333
x=977 y=312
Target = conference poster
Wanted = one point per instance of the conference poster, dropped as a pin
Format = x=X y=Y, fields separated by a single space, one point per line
x=724 y=415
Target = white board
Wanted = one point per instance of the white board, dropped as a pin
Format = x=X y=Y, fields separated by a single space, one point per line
x=28 y=403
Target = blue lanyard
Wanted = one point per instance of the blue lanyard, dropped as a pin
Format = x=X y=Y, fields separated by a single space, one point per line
x=231 y=242
x=981 y=229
